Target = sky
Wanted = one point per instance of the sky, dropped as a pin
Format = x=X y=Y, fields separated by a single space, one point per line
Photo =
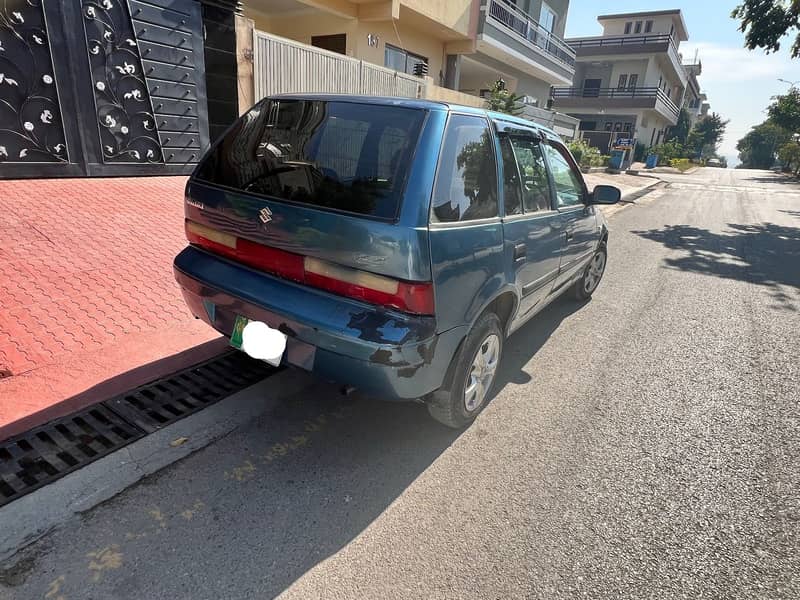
x=739 y=82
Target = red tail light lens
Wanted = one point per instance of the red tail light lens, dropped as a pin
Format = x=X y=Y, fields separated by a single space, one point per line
x=375 y=289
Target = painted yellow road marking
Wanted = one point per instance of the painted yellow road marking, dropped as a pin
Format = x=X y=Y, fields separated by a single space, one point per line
x=189 y=513
x=54 y=588
x=106 y=559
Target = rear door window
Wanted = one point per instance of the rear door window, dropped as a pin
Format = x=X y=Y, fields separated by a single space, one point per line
x=466 y=178
x=535 y=182
x=337 y=155
x=569 y=187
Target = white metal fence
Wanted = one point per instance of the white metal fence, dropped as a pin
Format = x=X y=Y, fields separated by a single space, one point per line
x=284 y=66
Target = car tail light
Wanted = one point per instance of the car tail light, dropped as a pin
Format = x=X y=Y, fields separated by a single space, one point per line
x=344 y=281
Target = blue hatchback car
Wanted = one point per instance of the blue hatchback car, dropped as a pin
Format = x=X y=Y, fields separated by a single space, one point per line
x=386 y=243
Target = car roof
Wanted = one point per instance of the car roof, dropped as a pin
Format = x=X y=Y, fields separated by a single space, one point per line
x=437 y=105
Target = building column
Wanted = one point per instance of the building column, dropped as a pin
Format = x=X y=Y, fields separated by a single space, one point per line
x=452 y=71
x=244 y=62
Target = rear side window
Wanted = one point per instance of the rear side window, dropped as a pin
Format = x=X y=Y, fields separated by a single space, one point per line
x=535 y=182
x=337 y=155
x=569 y=186
x=466 y=179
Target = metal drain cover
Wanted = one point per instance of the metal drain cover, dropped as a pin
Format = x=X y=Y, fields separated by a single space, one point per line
x=46 y=453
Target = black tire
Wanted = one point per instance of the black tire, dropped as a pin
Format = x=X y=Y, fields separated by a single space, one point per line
x=449 y=406
x=590 y=279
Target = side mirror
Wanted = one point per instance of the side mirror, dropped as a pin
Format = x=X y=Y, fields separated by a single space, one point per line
x=605 y=194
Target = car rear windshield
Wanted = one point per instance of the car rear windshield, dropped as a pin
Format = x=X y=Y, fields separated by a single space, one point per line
x=337 y=155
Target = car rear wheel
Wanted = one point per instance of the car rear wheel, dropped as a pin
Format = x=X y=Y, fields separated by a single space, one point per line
x=592 y=274
x=473 y=374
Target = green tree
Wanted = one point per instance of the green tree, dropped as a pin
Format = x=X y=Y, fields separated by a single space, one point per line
x=706 y=135
x=785 y=110
x=668 y=151
x=789 y=155
x=502 y=100
x=765 y=22
x=681 y=129
x=758 y=149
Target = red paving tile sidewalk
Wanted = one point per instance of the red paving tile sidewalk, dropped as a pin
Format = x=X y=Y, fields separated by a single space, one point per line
x=87 y=297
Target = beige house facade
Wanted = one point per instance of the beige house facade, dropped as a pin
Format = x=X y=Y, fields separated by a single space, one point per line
x=630 y=81
x=455 y=49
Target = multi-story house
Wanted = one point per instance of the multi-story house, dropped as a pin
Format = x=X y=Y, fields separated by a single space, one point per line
x=693 y=98
x=629 y=81
x=451 y=50
x=521 y=42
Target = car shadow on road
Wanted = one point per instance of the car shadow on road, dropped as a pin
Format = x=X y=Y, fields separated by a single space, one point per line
x=764 y=254
x=256 y=511
x=521 y=347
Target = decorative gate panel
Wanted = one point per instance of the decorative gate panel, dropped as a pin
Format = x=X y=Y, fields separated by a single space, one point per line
x=30 y=115
x=125 y=121
x=101 y=87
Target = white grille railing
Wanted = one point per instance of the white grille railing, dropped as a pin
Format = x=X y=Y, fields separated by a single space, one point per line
x=524 y=26
x=282 y=66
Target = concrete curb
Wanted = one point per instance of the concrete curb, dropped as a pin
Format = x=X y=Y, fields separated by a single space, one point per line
x=27 y=519
x=630 y=198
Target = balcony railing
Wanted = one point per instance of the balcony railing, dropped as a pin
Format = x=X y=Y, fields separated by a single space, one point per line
x=524 y=26
x=622 y=40
x=628 y=92
x=632 y=40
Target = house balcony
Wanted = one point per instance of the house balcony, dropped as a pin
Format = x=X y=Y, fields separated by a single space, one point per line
x=513 y=37
x=654 y=43
x=571 y=99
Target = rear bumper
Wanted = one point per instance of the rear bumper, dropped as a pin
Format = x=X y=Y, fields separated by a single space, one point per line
x=385 y=353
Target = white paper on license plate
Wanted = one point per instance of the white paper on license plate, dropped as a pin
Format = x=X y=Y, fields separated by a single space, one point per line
x=262 y=342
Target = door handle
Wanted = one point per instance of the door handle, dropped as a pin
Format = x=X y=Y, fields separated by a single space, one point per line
x=568 y=235
x=520 y=252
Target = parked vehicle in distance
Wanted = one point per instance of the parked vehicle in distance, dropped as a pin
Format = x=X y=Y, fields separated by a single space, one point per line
x=713 y=162
x=392 y=244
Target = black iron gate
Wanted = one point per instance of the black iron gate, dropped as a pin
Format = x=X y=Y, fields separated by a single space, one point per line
x=101 y=87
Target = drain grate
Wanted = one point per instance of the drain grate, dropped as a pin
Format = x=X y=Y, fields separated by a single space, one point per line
x=44 y=454
x=157 y=405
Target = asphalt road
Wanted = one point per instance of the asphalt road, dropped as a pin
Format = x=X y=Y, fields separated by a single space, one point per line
x=643 y=445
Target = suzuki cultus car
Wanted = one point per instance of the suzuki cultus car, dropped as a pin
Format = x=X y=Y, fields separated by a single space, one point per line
x=389 y=244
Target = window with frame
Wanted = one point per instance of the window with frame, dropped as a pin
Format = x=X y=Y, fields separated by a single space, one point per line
x=532 y=173
x=568 y=184
x=512 y=187
x=331 y=155
x=633 y=79
x=466 y=177
x=547 y=18
x=401 y=60
x=623 y=82
x=628 y=26
x=638 y=27
x=648 y=26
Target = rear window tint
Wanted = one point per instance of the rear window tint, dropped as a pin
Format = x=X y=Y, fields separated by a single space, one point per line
x=338 y=155
x=466 y=179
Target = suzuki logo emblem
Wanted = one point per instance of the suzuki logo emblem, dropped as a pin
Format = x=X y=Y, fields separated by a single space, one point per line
x=265 y=215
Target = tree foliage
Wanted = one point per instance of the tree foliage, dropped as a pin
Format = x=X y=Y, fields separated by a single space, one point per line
x=502 y=100
x=584 y=154
x=789 y=155
x=758 y=149
x=785 y=110
x=765 y=22
x=681 y=129
x=669 y=151
x=706 y=135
